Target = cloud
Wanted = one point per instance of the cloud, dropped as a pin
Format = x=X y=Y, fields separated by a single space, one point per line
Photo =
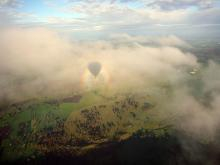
x=161 y=4
x=10 y=3
x=196 y=119
x=195 y=104
x=145 y=40
x=115 y=17
x=209 y=16
x=8 y=13
x=181 y=4
x=95 y=19
x=37 y=61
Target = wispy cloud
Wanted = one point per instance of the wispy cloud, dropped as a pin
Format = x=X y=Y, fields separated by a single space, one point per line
x=10 y=3
x=181 y=4
x=109 y=16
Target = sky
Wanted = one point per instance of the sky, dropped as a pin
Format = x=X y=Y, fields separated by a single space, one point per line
x=102 y=18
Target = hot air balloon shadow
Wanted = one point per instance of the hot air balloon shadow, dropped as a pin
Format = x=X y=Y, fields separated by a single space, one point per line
x=94 y=68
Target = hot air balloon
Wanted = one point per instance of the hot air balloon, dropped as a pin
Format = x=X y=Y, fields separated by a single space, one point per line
x=94 y=68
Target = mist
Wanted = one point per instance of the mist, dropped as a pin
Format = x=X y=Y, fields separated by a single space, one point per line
x=38 y=62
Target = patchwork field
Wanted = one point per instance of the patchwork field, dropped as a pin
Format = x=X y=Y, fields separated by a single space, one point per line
x=76 y=123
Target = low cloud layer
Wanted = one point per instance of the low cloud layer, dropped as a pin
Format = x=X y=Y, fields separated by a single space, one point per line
x=38 y=62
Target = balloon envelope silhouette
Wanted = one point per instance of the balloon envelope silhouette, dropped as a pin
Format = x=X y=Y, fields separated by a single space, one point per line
x=94 y=68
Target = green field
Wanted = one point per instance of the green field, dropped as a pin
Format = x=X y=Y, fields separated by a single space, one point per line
x=47 y=125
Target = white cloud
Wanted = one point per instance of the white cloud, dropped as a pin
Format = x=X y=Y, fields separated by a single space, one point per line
x=37 y=58
x=112 y=17
x=10 y=3
x=38 y=62
x=161 y=41
x=181 y=4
